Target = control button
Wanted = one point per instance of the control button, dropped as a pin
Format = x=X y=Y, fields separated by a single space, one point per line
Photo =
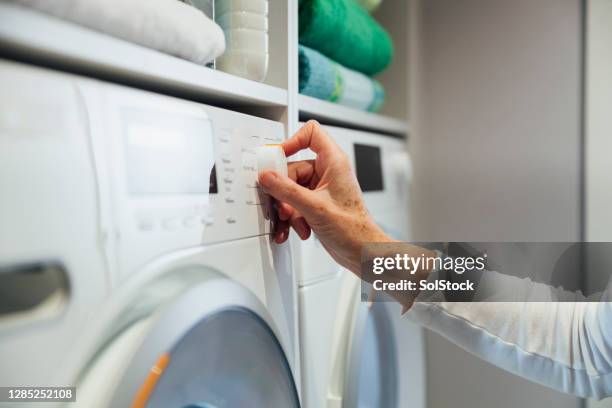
x=249 y=158
x=250 y=179
x=272 y=157
x=253 y=196
x=190 y=221
x=229 y=200
x=249 y=170
x=146 y=224
x=230 y=220
x=171 y=223
x=226 y=149
x=224 y=135
x=207 y=220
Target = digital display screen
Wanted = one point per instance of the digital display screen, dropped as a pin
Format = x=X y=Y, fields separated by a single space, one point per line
x=368 y=164
x=168 y=154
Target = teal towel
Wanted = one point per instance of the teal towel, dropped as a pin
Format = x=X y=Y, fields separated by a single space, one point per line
x=324 y=79
x=346 y=33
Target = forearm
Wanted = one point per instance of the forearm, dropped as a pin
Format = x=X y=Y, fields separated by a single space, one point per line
x=386 y=263
x=515 y=323
x=565 y=346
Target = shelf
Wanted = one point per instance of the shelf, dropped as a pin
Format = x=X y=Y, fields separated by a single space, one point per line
x=334 y=114
x=33 y=36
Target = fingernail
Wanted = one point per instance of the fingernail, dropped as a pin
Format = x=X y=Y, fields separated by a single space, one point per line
x=303 y=232
x=267 y=178
x=281 y=237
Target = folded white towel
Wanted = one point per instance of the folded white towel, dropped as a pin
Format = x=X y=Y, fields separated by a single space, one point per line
x=168 y=26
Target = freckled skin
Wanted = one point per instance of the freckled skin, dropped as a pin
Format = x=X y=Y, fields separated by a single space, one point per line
x=323 y=195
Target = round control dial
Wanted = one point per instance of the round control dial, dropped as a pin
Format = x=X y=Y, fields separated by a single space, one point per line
x=272 y=157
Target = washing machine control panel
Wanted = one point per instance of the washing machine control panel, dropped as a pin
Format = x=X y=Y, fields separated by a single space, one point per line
x=382 y=165
x=181 y=174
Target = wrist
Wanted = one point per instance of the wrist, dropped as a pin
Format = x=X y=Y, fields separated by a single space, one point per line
x=376 y=234
x=372 y=233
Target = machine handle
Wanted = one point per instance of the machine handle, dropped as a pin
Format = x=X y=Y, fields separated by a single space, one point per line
x=33 y=289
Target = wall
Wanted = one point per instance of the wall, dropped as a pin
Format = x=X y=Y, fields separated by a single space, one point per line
x=598 y=140
x=495 y=112
x=598 y=123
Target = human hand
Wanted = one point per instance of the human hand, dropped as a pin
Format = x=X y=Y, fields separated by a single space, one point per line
x=322 y=196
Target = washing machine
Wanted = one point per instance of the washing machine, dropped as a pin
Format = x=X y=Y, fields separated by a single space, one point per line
x=355 y=353
x=142 y=215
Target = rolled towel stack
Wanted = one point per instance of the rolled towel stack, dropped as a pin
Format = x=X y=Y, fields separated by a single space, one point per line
x=350 y=48
x=346 y=33
x=168 y=26
x=325 y=79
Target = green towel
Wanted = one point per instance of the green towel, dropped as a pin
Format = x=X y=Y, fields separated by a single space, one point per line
x=346 y=33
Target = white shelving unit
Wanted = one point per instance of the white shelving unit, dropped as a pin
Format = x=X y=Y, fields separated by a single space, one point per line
x=30 y=36
x=59 y=42
x=393 y=119
x=339 y=115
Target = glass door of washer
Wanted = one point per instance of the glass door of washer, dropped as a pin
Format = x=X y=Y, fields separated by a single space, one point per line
x=229 y=359
x=190 y=338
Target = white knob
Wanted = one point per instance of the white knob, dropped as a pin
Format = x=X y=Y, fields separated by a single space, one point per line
x=272 y=157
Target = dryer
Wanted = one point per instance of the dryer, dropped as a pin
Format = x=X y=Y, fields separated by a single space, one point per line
x=175 y=295
x=356 y=354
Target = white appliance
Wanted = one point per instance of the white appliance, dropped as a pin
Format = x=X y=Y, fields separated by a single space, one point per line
x=355 y=354
x=142 y=212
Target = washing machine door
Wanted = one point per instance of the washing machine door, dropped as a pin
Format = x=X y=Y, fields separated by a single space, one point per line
x=372 y=369
x=404 y=343
x=210 y=344
x=230 y=358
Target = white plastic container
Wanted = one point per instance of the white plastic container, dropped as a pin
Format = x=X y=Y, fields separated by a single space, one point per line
x=253 y=6
x=243 y=39
x=245 y=26
x=243 y=19
x=246 y=64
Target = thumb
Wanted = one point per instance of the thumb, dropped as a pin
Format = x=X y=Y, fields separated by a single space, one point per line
x=286 y=190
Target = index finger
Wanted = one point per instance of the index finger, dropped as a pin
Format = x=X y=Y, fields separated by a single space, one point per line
x=311 y=136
